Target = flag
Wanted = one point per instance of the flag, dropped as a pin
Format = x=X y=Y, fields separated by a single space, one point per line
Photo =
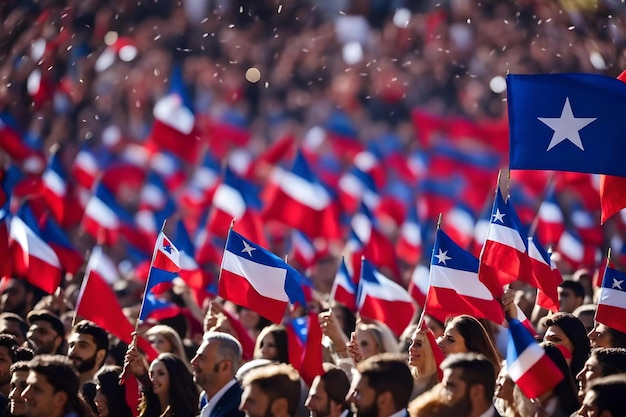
x=418 y=287
x=575 y=252
x=344 y=290
x=54 y=187
x=167 y=256
x=190 y=271
x=203 y=182
x=504 y=257
x=255 y=278
x=312 y=358
x=550 y=220
x=380 y=298
x=454 y=285
x=528 y=365
x=303 y=251
x=612 y=196
x=611 y=309
x=567 y=122
x=409 y=242
x=438 y=354
x=103 y=216
x=546 y=276
x=174 y=129
x=70 y=258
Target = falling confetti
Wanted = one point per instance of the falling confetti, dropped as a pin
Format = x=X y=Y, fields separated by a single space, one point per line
x=253 y=75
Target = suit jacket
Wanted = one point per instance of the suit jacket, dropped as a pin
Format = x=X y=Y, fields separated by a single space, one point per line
x=228 y=405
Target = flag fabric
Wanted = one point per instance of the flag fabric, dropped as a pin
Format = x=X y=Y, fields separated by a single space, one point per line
x=190 y=270
x=409 y=242
x=611 y=309
x=504 y=257
x=418 y=287
x=612 y=196
x=70 y=258
x=545 y=275
x=344 y=290
x=567 y=122
x=167 y=256
x=174 y=129
x=550 y=220
x=575 y=252
x=54 y=187
x=380 y=298
x=528 y=365
x=438 y=354
x=454 y=285
x=253 y=277
x=85 y=168
x=103 y=216
x=312 y=358
x=303 y=250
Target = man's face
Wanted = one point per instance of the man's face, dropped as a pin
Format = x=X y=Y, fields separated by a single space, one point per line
x=589 y=407
x=82 y=350
x=318 y=402
x=590 y=371
x=43 y=338
x=13 y=297
x=254 y=402
x=568 y=300
x=599 y=336
x=41 y=399
x=5 y=364
x=205 y=366
x=363 y=398
x=13 y=328
x=18 y=385
x=454 y=387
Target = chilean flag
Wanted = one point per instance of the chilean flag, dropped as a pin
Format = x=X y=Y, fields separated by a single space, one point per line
x=344 y=290
x=575 y=252
x=70 y=258
x=454 y=285
x=103 y=216
x=504 y=257
x=190 y=271
x=611 y=308
x=357 y=186
x=204 y=180
x=418 y=287
x=527 y=363
x=255 y=278
x=551 y=223
x=85 y=169
x=302 y=250
x=545 y=274
x=409 y=242
x=167 y=256
x=298 y=199
x=379 y=298
x=54 y=187
x=32 y=257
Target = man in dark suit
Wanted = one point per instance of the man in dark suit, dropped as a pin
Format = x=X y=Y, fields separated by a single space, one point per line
x=214 y=366
x=327 y=395
x=383 y=387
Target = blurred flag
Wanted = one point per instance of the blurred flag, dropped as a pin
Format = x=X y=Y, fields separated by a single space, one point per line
x=167 y=256
x=344 y=290
x=611 y=308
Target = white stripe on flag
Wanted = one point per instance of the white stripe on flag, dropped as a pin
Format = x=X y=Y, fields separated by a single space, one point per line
x=506 y=236
x=101 y=213
x=304 y=192
x=229 y=200
x=611 y=297
x=54 y=182
x=463 y=282
x=266 y=280
x=529 y=357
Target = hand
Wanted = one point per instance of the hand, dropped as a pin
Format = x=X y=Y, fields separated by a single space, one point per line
x=508 y=304
x=332 y=329
x=135 y=362
x=354 y=350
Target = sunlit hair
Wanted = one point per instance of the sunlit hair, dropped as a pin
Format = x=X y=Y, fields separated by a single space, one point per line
x=171 y=336
x=430 y=365
x=279 y=333
x=276 y=381
x=383 y=336
x=476 y=338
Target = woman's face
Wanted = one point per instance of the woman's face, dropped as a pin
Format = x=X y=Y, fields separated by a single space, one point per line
x=452 y=341
x=160 y=378
x=557 y=336
x=160 y=343
x=417 y=350
x=248 y=318
x=101 y=402
x=268 y=347
x=367 y=342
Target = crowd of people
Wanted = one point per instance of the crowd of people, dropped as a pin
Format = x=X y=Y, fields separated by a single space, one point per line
x=90 y=72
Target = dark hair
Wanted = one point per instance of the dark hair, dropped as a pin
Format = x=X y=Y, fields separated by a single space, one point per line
x=107 y=379
x=336 y=385
x=576 y=287
x=61 y=374
x=610 y=392
x=100 y=336
x=476 y=338
x=24 y=353
x=277 y=381
x=565 y=390
x=618 y=339
x=183 y=391
x=611 y=360
x=389 y=372
x=45 y=315
x=22 y=325
x=10 y=343
x=477 y=369
x=575 y=331
x=279 y=333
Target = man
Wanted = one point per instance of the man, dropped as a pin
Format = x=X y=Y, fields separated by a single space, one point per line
x=8 y=344
x=571 y=295
x=46 y=333
x=469 y=381
x=382 y=388
x=214 y=366
x=271 y=390
x=87 y=348
x=19 y=373
x=605 y=397
x=327 y=395
x=601 y=362
x=604 y=336
x=11 y=323
x=52 y=388
x=18 y=296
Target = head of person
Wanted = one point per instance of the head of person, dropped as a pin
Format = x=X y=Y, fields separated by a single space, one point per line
x=586 y=313
x=469 y=380
x=19 y=373
x=374 y=338
x=53 y=387
x=17 y=296
x=421 y=357
x=173 y=384
x=88 y=344
x=165 y=339
x=327 y=395
x=383 y=385
x=11 y=323
x=271 y=390
x=251 y=320
x=565 y=390
x=8 y=345
x=604 y=336
x=464 y=334
x=110 y=399
x=601 y=362
x=566 y=330
x=605 y=397
x=46 y=332
x=433 y=404
x=571 y=295
x=216 y=361
x=271 y=344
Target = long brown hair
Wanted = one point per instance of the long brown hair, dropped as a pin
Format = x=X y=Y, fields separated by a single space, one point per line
x=476 y=338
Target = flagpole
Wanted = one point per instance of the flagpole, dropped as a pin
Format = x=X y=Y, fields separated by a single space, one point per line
x=421 y=319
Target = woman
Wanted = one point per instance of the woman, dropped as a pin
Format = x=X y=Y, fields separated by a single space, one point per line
x=164 y=339
x=422 y=362
x=272 y=344
x=172 y=392
x=464 y=334
x=375 y=338
x=566 y=330
x=110 y=395
x=252 y=321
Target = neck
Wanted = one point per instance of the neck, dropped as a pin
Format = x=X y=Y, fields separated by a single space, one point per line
x=478 y=409
x=164 y=401
x=214 y=388
x=87 y=376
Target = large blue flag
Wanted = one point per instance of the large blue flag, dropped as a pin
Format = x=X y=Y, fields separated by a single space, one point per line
x=567 y=122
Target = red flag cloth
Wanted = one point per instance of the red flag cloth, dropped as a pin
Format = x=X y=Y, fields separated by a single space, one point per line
x=612 y=302
x=312 y=355
x=167 y=256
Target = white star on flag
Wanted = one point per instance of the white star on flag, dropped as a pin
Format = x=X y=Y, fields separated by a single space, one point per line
x=442 y=257
x=498 y=216
x=566 y=127
x=247 y=248
x=617 y=283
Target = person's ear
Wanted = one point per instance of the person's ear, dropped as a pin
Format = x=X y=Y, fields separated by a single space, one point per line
x=280 y=407
x=477 y=393
x=385 y=400
x=60 y=399
x=101 y=354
